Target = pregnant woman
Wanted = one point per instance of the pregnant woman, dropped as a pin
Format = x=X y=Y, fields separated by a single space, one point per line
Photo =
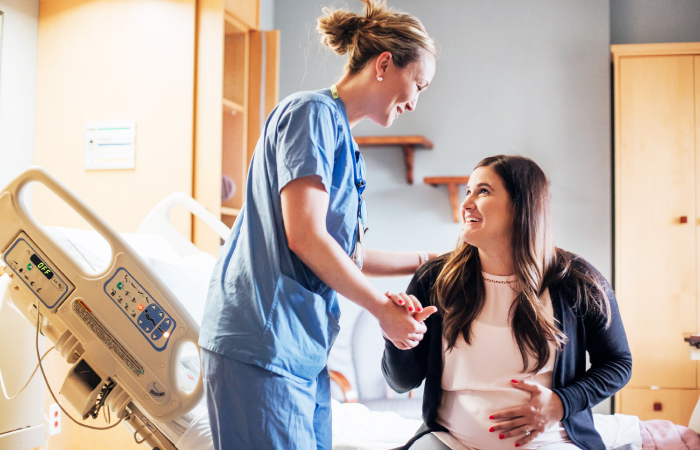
x=504 y=358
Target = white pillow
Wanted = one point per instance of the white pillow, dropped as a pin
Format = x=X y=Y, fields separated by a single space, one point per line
x=367 y=351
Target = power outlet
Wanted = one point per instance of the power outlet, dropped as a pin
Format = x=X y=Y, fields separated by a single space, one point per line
x=54 y=419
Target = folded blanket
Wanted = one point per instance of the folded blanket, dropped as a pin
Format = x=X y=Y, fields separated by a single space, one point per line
x=665 y=435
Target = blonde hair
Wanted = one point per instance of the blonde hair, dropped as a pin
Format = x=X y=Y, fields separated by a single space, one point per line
x=380 y=29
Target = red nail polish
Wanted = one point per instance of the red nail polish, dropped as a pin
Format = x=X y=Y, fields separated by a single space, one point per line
x=491 y=417
x=517 y=445
x=400 y=302
x=491 y=430
x=410 y=308
x=513 y=381
x=500 y=436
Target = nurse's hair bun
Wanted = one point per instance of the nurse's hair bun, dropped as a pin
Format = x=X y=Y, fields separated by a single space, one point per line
x=380 y=29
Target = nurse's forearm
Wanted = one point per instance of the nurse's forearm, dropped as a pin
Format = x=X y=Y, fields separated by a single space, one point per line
x=304 y=204
x=322 y=254
x=330 y=263
x=382 y=263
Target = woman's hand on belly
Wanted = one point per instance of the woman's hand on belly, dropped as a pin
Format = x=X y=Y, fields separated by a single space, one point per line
x=528 y=421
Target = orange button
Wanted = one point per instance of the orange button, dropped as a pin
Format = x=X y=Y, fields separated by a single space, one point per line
x=140 y=307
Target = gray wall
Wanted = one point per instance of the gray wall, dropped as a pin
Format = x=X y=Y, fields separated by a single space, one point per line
x=18 y=65
x=267 y=14
x=513 y=77
x=650 y=21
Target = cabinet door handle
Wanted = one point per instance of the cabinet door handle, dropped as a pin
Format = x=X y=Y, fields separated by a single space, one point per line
x=684 y=219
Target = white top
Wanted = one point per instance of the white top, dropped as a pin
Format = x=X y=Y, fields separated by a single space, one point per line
x=476 y=378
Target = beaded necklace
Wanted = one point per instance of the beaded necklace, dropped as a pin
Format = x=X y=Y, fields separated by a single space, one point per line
x=498 y=281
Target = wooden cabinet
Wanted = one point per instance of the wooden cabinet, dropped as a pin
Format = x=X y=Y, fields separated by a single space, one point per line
x=657 y=136
x=676 y=405
x=237 y=88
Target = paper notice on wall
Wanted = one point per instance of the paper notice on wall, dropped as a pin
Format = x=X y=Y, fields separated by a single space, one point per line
x=110 y=145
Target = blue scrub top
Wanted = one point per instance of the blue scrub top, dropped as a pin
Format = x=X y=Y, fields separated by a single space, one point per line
x=265 y=306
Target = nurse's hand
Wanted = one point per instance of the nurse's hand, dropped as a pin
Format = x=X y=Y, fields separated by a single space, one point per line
x=405 y=330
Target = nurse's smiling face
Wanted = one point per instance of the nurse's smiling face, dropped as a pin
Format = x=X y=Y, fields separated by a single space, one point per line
x=400 y=87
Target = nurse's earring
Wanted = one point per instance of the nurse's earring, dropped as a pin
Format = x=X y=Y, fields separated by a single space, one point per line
x=379 y=78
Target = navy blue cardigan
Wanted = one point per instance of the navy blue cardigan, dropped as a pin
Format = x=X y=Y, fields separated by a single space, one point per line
x=578 y=388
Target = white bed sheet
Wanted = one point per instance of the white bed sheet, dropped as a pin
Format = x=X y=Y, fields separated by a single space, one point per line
x=355 y=427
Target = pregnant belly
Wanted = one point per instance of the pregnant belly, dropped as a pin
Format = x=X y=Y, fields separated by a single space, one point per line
x=466 y=415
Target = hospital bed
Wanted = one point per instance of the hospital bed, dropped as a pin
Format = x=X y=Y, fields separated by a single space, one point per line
x=118 y=324
x=124 y=310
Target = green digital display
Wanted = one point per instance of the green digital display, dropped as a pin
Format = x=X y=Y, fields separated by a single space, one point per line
x=43 y=268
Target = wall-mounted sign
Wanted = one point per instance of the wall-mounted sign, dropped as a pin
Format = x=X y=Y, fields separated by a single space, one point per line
x=110 y=145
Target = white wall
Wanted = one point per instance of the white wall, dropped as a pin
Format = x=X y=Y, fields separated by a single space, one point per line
x=513 y=77
x=18 y=66
x=18 y=86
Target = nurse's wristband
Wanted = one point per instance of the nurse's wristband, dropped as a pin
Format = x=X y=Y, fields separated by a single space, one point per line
x=423 y=258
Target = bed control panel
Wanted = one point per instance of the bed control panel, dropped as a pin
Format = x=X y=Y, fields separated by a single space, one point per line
x=37 y=272
x=139 y=347
x=154 y=323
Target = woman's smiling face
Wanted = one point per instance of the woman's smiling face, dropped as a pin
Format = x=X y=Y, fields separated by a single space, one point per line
x=487 y=211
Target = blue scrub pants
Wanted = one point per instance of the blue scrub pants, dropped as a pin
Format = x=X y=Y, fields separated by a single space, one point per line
x=253 y=408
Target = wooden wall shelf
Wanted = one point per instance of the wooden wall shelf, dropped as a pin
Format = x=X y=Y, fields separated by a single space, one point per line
x=452 y=184
x=407 y=143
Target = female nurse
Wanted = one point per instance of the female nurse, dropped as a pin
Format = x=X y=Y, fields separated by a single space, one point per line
x=271 y=314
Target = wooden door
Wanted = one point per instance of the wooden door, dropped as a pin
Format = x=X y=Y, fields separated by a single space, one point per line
x=655 y=189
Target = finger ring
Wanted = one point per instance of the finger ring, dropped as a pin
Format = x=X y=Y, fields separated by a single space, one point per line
x=527 y=432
